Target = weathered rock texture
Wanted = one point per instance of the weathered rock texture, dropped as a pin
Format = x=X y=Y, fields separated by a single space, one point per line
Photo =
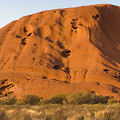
x=62 y=51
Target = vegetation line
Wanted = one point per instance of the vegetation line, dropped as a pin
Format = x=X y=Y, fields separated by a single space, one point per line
x=72 y=106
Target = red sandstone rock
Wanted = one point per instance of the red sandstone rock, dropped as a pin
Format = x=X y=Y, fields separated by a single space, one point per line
x=62 y=51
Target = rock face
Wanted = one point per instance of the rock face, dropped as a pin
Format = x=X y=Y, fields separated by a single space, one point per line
x=62 y=51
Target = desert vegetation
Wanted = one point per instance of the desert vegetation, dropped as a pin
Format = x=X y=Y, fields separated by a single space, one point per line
x=62 y=99
x=72 y=106
x=60 y=112
x=76 y=99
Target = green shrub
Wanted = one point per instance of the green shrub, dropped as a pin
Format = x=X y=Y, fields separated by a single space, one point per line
x=99 y=99
x=78 y=98
x=111 y=101
x=2 y=114
x=64 y=102
x=45 y=101
x=85 y=98
x=31 y=99
x=55 y=99
x=10 y=100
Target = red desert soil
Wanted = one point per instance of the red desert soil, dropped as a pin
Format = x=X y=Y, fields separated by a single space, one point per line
x=62 y=51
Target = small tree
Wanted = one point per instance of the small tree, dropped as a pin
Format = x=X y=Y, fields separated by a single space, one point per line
x=31 y=99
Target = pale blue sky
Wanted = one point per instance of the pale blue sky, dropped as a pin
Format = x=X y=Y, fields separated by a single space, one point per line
x=14 y=9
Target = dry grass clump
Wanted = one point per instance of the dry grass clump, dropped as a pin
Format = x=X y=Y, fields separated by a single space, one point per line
x=61 y=112
x=110 y=112
x=18 y=114
x=3 y=114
